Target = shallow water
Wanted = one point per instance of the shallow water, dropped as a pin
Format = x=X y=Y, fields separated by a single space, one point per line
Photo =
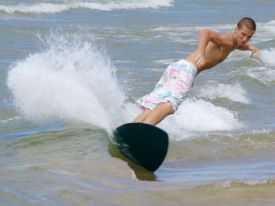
x=70 y=72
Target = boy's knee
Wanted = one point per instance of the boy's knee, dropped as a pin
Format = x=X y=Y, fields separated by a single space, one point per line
x=169 y=108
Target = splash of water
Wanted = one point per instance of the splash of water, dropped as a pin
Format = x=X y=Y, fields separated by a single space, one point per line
x=70 y=80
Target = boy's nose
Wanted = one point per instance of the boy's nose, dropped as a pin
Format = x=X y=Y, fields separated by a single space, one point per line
x=245 y=39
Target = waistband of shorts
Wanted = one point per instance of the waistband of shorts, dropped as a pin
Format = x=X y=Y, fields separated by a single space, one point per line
x=192 y=68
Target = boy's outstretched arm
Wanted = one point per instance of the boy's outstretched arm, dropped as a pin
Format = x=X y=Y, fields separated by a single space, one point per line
x=255 y=51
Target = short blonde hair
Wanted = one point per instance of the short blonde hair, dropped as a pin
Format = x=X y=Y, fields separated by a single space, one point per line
x=248 y=22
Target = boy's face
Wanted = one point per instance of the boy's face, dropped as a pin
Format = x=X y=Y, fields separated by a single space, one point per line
x=243 y=35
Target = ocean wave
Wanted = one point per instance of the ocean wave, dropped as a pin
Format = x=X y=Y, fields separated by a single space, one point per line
x=40 y=8
x=247 y=183
x=267 y=57
x=5 y=121
x=262 y=74
x=177 y=33
x=233 y=92
x=267 y=28
x=196 y=116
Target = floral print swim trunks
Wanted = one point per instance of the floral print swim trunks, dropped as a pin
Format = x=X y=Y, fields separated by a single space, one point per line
x=173 y=86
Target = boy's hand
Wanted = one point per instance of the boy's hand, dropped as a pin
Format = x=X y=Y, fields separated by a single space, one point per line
x=200 y=60
x=255 y=52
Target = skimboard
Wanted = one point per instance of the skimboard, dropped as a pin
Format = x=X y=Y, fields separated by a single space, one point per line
x=143 y=144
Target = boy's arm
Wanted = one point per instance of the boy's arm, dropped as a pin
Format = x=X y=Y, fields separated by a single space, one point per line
x=205 y=37
x=255 y=51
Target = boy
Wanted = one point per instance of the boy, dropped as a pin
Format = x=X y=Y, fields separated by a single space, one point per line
x=178 y=78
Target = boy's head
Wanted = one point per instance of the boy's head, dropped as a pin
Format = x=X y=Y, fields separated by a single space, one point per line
x=248 y=22
x=246 y=27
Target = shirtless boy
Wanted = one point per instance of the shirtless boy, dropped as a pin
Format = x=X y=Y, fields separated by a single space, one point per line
x=177 y=80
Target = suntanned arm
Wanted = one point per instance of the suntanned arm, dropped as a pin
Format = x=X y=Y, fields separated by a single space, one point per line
x=255 y=51
x=205 y=37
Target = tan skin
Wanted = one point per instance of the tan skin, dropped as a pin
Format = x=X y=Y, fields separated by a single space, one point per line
x=213 y=48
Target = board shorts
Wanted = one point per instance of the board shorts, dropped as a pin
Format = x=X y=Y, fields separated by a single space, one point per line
x=172 y=87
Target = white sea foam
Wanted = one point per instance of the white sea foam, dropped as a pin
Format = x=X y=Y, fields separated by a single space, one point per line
x=197 y=115
x=71 y=80
x=4 y=121
x=267 y=57
x=265 y=31
x=67 y=5
x=35 y=8
x=233 y=92
x=262 y=74
x=266 y=73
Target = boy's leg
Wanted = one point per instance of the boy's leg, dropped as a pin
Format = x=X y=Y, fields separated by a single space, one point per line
x=142 y=116
x=159 y=113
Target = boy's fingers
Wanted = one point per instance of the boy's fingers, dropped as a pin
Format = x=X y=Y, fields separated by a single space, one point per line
x=258 y=53
x=255 y=54
x=199 y=61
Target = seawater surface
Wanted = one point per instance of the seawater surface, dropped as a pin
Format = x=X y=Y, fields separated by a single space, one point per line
x=71 y=71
